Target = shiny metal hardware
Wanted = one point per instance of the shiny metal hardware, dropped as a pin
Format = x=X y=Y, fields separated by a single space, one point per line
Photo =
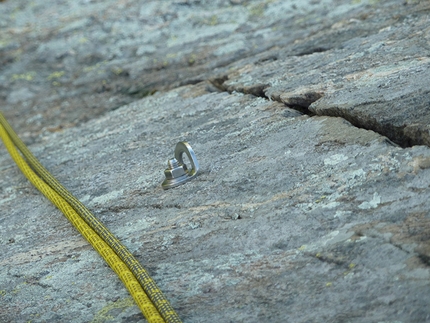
x=177 y=172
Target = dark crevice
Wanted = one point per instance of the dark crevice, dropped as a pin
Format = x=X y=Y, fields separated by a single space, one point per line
x=270 y=58
x=192 y=81
x=399 y=246
x=218 y=82
x=301 y=109
x=394 y=133
x=313 y=51
x=424 y=259
x=301 y=102
x=256 y=90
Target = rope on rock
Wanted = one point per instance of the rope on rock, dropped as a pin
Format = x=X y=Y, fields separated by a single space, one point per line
x=119 y=258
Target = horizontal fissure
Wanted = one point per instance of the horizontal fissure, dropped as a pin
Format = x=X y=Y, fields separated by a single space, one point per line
x=303 y=101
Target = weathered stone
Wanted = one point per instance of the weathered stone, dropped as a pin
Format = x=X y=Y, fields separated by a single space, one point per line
x=381 y=86
x=297 y=215
x=303 y=187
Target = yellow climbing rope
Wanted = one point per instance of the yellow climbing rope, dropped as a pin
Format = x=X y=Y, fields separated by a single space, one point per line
x=116 y=254
x=147 y=283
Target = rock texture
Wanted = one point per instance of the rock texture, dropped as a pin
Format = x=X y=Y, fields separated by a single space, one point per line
x=310 y=123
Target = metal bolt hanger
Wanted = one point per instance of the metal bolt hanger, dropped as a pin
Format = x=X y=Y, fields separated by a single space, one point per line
x=177 y=172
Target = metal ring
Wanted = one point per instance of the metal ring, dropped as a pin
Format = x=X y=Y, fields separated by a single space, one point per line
x=183 y=147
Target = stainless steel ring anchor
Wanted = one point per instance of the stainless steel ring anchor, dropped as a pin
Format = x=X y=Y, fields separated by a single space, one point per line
x=177 y=172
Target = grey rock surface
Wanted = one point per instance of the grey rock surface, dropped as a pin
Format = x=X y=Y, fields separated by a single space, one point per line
x=310 y=123
x=367 y=68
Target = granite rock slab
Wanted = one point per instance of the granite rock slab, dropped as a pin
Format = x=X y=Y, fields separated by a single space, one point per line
x=310 y=123
x=292 y=217
x=368 y=68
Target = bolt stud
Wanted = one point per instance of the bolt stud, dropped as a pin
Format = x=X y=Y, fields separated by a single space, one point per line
x=177 y=172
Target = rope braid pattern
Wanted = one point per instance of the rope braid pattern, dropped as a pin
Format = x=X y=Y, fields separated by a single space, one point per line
x=147 y=283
